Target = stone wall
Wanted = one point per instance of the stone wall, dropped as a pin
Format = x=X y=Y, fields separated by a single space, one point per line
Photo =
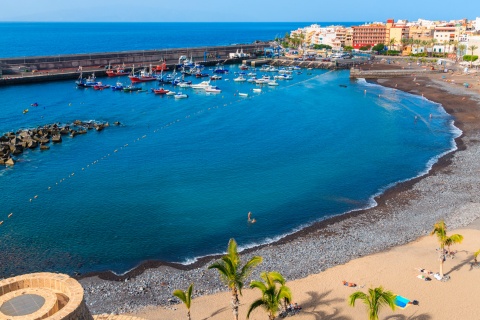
x=63 y=296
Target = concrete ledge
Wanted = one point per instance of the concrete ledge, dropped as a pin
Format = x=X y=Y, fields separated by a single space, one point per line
x=379 y=74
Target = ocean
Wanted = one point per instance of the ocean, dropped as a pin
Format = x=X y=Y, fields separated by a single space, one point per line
x=177 y=178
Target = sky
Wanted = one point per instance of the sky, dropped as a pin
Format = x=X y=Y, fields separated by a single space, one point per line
x=233 y=11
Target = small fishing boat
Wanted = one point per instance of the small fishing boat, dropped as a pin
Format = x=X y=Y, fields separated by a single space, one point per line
x=257 y=90
x=243 y=94
x=220 y=69
x=86 y=82
x=131 y=89
x=201 y=75
x=180 y=95
x=272 y=83
x=243 y=67
x=160 y=91
x=117 y=86
x=143 y=76
x=171 y=93
x=35 y=104
x=215 y=77
x=161 y=67
x=119 y=71
x=101 y=86
x=283 y=77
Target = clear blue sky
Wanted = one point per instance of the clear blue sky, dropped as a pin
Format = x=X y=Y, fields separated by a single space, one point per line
x=234 y=11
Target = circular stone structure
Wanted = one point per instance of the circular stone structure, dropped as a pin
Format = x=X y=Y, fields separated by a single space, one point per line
x=43 y=295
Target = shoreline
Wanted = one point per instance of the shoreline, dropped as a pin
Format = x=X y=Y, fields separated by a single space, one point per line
x=343 y=238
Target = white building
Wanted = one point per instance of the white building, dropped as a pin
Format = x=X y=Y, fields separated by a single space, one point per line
x=477 y=24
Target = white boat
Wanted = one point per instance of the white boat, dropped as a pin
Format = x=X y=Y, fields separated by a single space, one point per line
x=180 y=95
x=243 y=94
x=251 y=74
x=257 y=90
x=184 y=85
x=170 y=93
x=202 y=85
x=240 y=78
x=273 y=83
x=213 y=89
x=283 y=77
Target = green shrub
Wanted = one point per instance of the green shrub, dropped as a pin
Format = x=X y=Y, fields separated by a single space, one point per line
x=469 y=57
x=347 y=48
x=365 y=48
x=378 y=47
x=322 y=46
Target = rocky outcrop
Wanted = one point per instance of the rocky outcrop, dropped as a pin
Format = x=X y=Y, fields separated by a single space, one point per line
x=14 y=144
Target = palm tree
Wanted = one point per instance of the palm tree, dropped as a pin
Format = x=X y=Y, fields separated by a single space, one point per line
x=185 y=297
x=462 y=48
x=391 y=43
x=272 y=295
x=472 y=48
x=233 y=274
x=432 y=43
x=405 y=42
x=375 y=299
x=440 y=229
x=475 y=256
x=417 y=43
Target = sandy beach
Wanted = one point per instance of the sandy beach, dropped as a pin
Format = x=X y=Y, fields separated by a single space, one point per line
x=366 y=247
x=323 y=296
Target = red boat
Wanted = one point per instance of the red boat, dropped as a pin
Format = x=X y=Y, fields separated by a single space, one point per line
x=144 y=76
x=243 y=67
x=160 y=91
x=100 y=86
x=201 y=75
x=116 y=73
x=162 y=67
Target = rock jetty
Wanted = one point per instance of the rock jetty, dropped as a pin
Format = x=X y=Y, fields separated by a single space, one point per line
x=13 y=144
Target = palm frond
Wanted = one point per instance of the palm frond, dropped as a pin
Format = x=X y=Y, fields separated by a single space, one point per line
x=180 y=295
x=357 y=295
x=189 y=296
x=257 y=303
x=258 y=284
x=476 y=253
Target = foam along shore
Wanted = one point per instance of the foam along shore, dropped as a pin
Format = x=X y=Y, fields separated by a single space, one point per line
x=450 y=191
x=323 y=296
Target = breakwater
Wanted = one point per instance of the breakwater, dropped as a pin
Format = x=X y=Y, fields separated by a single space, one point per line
x=94 y=60
x=15 y=143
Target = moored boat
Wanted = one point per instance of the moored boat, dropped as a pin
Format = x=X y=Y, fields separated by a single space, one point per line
x=215 y=77
x=86 y=82
x=101 y=86
x=131 y=89
x=180 y=95
x=119 y=71
x=213 y=89
x=143 y=76
x=202 y=85
x=117 y=86
x=160 y=91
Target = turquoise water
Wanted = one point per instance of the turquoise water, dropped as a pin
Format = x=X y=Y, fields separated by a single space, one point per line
x=177 y=179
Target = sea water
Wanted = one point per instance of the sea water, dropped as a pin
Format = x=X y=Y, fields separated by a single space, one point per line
x=177 y=178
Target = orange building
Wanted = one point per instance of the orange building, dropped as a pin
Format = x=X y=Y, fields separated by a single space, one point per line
x=368 y=35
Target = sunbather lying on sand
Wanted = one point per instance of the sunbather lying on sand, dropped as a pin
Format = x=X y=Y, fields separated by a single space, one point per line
x=349 y=284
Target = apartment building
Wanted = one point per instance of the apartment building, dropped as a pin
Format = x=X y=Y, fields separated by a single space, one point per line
x=368 y=35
